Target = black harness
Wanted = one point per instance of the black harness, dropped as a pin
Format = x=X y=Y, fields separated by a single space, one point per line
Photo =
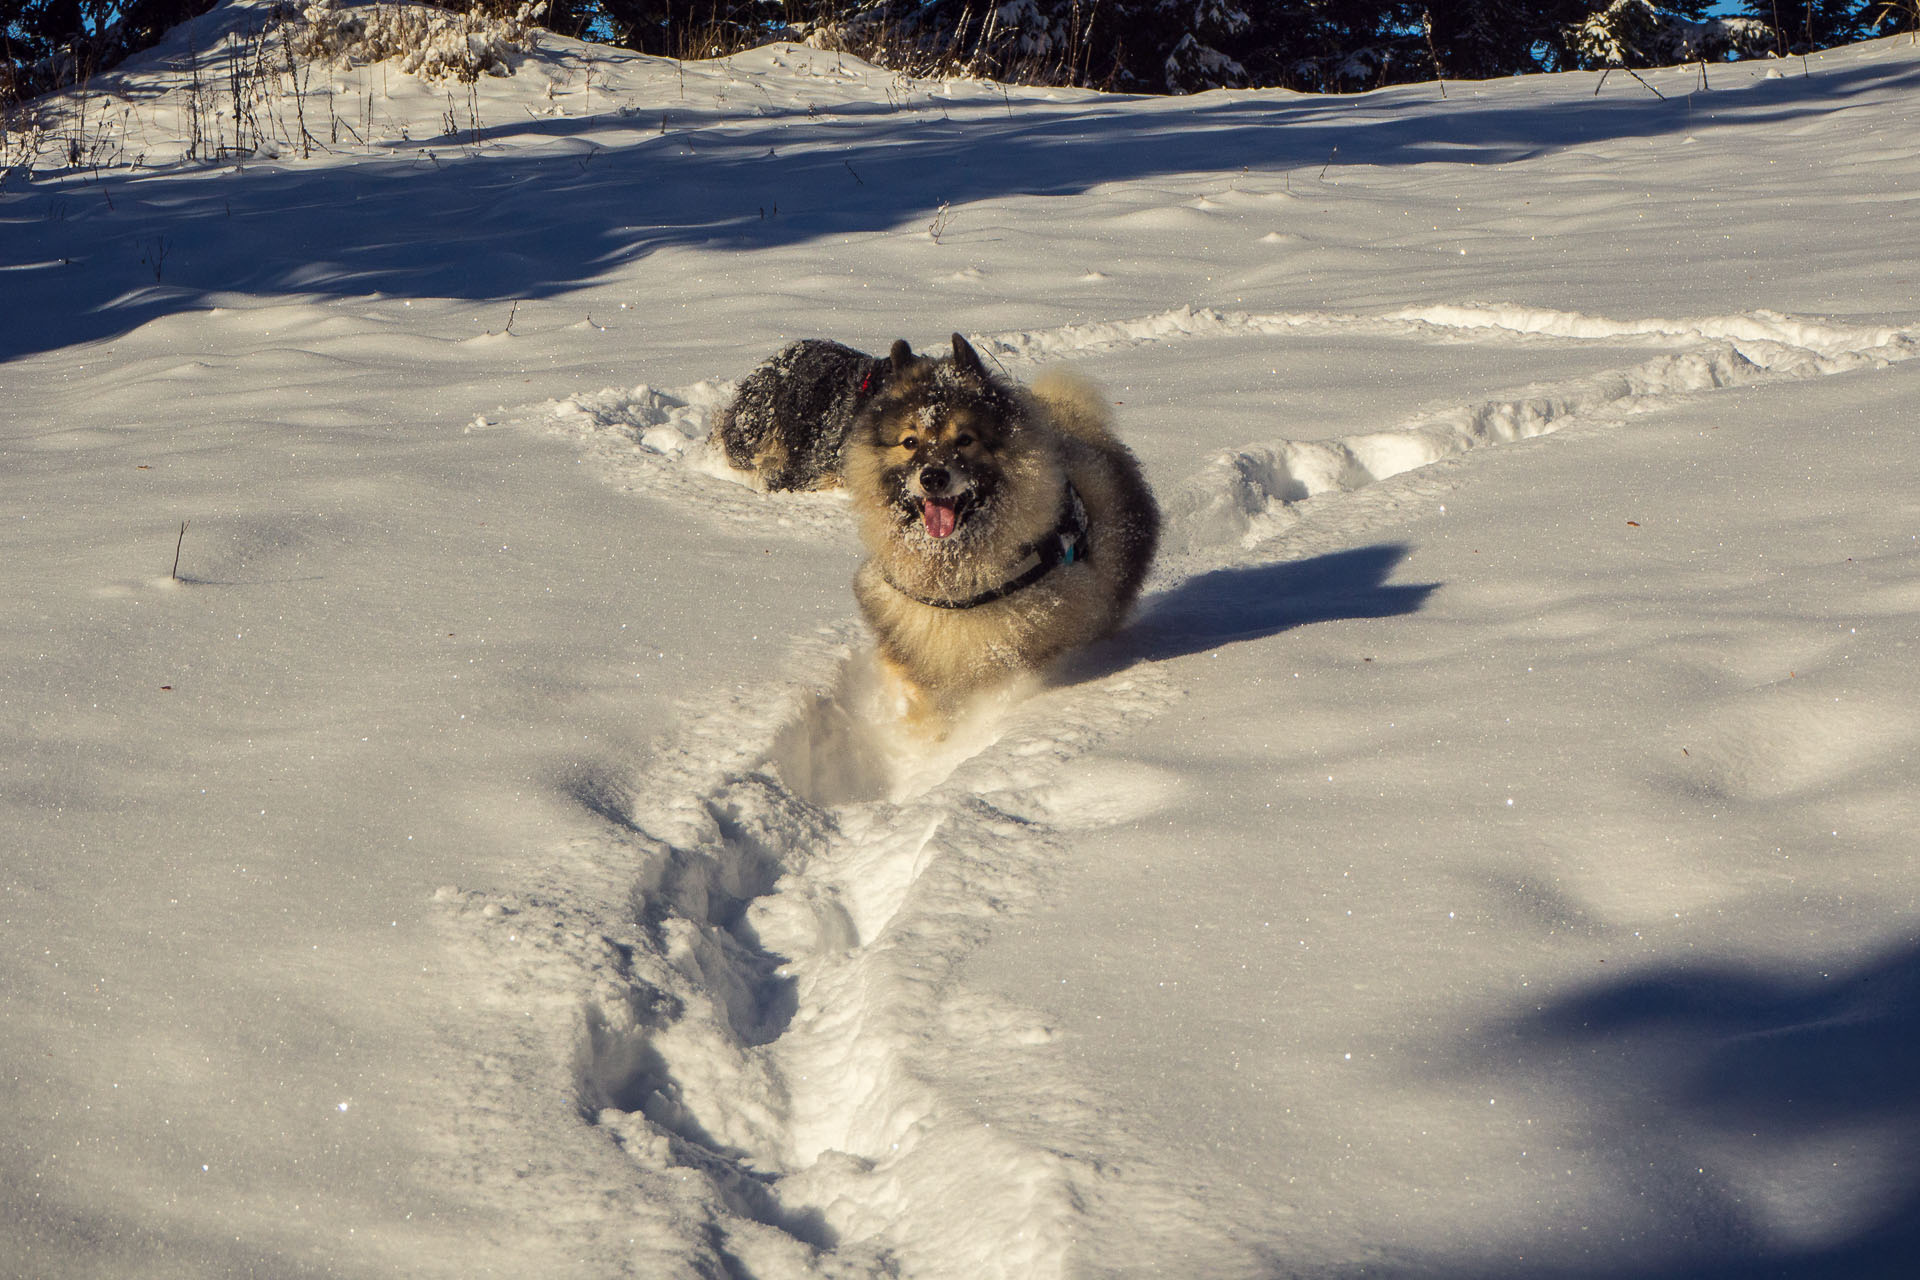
x=1067 y=544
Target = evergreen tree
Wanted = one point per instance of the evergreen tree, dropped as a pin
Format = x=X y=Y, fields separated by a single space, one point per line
x=45 y=44
x=1635 y=33
x=1801 y=26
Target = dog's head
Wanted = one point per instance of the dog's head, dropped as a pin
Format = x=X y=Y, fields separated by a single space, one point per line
x=939 y=436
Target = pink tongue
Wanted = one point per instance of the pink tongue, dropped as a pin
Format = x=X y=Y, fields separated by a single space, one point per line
x=940 y=518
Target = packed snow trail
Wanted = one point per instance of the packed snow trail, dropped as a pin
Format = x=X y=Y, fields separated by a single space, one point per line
x=769 y=1014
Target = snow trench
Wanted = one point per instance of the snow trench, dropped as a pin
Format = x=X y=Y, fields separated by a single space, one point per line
x=808 y=881
x=771 y=1005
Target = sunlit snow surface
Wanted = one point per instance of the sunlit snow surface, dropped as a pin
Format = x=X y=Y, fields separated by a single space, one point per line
x=1488 y=853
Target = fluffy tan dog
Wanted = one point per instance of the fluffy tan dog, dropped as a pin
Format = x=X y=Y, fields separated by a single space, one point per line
x=1005 y=525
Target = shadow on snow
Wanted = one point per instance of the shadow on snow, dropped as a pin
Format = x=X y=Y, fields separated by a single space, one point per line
x=1226 y=606
x=1766 y=1122
x=86 y=258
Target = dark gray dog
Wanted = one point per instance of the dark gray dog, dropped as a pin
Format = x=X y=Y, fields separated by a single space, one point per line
x=791 y=416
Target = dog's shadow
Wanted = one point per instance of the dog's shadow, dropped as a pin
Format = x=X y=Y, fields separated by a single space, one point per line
x=1226 y=606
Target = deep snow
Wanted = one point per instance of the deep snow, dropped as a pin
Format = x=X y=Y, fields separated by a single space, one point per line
x=1487 y=854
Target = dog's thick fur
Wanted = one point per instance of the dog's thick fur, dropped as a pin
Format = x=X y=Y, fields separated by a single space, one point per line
x=791 y=415
x=957 y=477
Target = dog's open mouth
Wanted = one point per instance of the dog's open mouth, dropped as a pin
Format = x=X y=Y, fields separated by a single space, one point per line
x=941 y=516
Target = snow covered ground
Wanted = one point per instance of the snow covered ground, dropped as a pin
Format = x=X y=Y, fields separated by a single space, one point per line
x=1489 y=854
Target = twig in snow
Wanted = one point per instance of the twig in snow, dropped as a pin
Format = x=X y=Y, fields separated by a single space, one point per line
x=177 y=543
x=1650 y=89
x=1329 y=164
x=155 y=255
x=1439 y=76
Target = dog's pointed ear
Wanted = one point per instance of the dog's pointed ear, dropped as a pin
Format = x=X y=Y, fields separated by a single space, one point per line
x=967 y=360
x=901 y=356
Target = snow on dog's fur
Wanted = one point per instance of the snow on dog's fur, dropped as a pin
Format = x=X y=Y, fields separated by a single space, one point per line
x=1005 y=525
x=787 y=422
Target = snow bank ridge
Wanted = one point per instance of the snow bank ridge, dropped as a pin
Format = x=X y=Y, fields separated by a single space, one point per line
x=1245 y=496
x=1477 y=322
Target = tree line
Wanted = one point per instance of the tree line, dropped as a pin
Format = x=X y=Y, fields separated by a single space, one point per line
x=1141 y=46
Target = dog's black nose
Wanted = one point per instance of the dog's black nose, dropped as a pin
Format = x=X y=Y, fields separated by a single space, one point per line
x=934 y=480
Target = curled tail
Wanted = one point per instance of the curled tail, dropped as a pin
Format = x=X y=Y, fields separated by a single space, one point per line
x=1127 y=520
x=1077 y=407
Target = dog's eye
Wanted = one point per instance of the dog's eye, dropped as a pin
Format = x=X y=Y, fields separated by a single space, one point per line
x=962 y=440
x=909 y=442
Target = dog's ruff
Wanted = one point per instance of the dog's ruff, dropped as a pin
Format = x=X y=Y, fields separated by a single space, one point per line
x=1005 y=526
x=1066 y=544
